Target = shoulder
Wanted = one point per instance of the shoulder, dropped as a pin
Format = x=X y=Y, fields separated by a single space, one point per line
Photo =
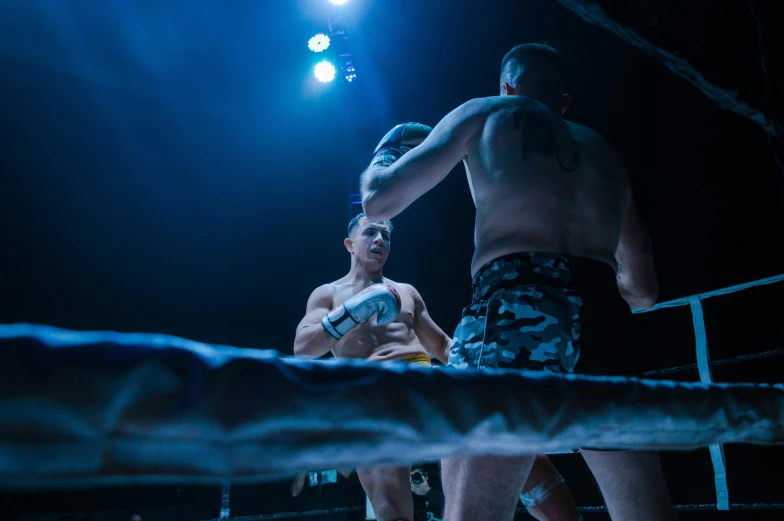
x=323 y=293
x=584 y=133
x=596 y=141
x=589 y=136
x=477 y=107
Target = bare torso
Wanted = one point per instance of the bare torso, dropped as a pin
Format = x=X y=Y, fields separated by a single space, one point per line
x=374 y=342
x=530 y=199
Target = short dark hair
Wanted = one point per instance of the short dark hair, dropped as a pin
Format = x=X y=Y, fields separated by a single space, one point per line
x=353 y=223
x=545 y=61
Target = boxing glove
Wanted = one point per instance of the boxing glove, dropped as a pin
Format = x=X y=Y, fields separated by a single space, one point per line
x=378 y=299
x=398 y=141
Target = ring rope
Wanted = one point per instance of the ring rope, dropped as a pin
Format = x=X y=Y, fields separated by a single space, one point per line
x=284 y=515
x=701 y=506
x=589 y=509
x=715 y=293
x=706 y=377
x=723 y=361
x=703 y=367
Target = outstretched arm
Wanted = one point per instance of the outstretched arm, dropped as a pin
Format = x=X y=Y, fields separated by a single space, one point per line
x=432 y=337
x=388 y=190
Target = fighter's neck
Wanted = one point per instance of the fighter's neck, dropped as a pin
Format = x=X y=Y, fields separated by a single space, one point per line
x=358 y=273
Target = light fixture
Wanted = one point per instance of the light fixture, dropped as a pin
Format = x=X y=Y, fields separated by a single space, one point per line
x=324 y=71
x=319 y=43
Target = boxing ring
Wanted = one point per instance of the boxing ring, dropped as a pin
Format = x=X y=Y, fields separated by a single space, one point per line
x=704 y=367
x=106 y=408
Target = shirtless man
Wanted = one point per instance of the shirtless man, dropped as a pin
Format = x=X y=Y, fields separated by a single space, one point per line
x=559 y=246
x=368 y=316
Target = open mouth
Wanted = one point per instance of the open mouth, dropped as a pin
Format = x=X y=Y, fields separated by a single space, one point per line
x=375 y=252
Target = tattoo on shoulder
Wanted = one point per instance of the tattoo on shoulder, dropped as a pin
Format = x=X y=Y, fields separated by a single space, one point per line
x=538 y=136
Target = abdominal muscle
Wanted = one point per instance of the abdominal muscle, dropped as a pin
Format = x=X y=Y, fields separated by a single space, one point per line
x=380 y=343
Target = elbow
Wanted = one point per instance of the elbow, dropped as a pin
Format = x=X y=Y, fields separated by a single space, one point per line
x=645 y=302
x=644 y=297
x=650 y=293
x=375 y=207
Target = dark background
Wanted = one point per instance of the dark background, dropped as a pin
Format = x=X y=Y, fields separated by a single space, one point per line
x=174 y=167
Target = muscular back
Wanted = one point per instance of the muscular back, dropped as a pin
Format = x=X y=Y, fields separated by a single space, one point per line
x=542 y=184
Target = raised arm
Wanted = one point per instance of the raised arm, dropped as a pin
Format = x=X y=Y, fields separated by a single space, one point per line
x=432 y=337
x=388 y=190
x=636 y=273
x=312 y=340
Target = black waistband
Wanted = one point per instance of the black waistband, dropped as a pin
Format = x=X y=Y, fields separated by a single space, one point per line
x=550 y=269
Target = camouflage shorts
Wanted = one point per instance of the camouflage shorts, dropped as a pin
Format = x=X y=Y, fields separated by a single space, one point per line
x=527 y=313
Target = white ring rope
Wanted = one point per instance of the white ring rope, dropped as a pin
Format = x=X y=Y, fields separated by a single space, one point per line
x=101 y=408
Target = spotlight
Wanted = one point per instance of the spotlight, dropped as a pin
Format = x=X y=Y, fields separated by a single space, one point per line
x=324 y=71
x=338 y=2
x=350 y=73
x=318 y=43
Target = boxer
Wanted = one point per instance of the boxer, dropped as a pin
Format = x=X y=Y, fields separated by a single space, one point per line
x=561 y=254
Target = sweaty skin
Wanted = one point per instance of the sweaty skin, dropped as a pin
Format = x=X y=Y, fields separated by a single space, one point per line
x=539 y=183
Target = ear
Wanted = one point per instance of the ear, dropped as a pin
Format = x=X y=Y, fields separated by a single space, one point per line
x=507 y=90
x=349 y=244
x=566 y=100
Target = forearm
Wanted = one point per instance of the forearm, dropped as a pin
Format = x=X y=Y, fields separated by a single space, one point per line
x=439 y=349
x=313 y=341
x=442 y=354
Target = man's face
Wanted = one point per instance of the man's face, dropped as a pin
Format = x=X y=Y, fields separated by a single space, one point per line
x=370 y=242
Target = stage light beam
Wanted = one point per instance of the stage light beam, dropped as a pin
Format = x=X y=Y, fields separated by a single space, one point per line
x=338 y=2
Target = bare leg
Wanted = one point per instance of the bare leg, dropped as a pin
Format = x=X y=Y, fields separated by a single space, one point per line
x=479 y=488
x=548 y=497
x=389 y=490
x=632 y=483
